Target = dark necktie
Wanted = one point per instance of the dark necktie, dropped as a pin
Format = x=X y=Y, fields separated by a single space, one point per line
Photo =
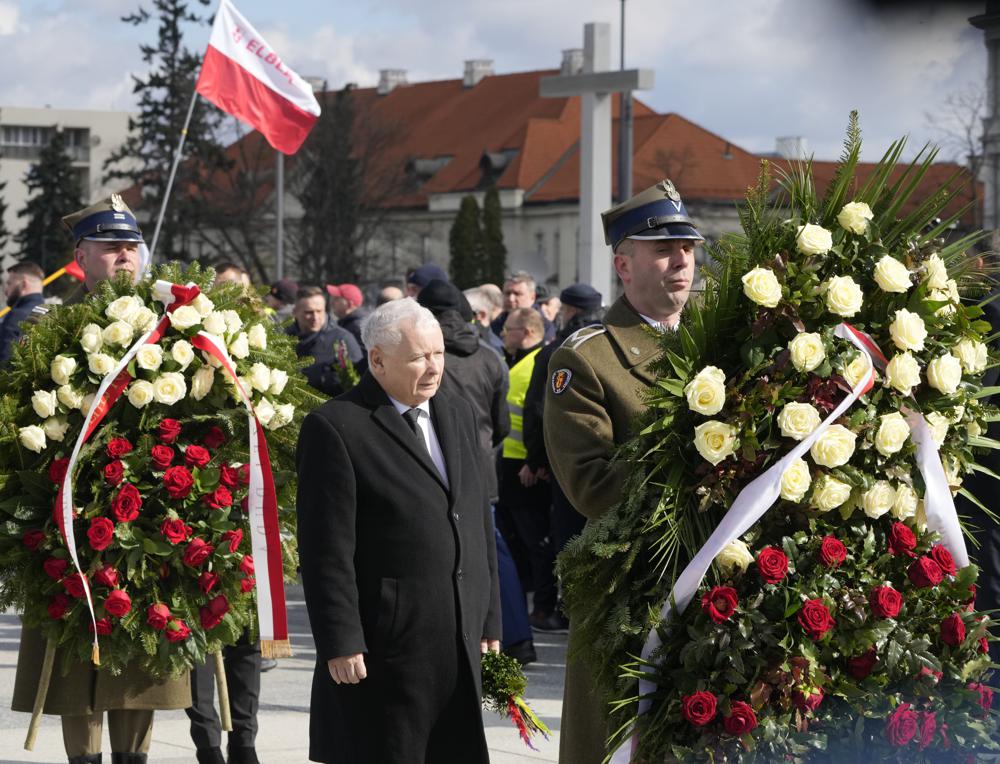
x=412 y=416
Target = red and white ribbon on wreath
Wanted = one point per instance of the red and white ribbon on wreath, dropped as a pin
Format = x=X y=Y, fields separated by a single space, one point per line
x=262 y=502
x=758 y=496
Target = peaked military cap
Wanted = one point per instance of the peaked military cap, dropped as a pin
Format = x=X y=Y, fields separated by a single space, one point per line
x=656 y=213
x=108 y=220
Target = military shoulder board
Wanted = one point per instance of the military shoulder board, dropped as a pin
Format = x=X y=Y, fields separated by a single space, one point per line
x=40 y=310
x=580 y=336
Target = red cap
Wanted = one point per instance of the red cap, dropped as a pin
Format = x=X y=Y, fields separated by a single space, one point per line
x=348 y=291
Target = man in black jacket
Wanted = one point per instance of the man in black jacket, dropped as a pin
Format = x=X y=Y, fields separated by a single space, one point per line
x=23 y=290
x=320 y=338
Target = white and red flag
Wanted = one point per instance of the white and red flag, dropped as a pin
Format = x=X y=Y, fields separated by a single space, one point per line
x=243 y=76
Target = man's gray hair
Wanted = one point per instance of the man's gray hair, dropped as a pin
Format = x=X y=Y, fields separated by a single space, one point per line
x=478 y=300
x=494 y=294
x=382 y=327
x=522 y=277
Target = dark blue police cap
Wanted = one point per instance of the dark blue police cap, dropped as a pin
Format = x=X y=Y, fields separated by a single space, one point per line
x=108 y=220
x=656 y=213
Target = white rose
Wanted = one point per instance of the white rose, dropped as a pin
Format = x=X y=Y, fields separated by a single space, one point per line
x=279 y=379
x=920 y=518
x=62 y=369
x=854 y=217
x=87 y=403
x=92 y=338
x=891 y=275
x=908 y=330
x=257 y=335
x=957 y=413
x=944 y=373
x=706 y=393
x=118 y=333
x=829 y=493
x=973 y=355
x=182 y=352
x=265 y=411
x=282 y=415
x=44 y=402
x=260 y=377
x=233 y=321
x=939 y=427
x=892 y=434
x=762 y=287
x=903 y=372
x=143 y=319
x=149 y=357
x=813 y=240
x=240 y=347
x=140 y=393
x=807 y=351
x=715 y=440
x=843 y=296
x=69 y=397
x=795 y=481
x=798 y=420
x=937 y=273
x=123 y=308
x=184 y=317
x=878 y=499
x=734 y=556
x=32 y=438
x=169 y=388
x=100 y=363
x=952 y=471
x=973 y=429
x=938 y=295
x=856 y=370
x=833 y=448
x=214 y=323
x=201 y=382
x=55 y=428
x=905 y=505
x=203 y=305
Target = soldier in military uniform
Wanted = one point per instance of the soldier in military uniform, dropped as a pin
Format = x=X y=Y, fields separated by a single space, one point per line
x=108 y=241
x=596 y=383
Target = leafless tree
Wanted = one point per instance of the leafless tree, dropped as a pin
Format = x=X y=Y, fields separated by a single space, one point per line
x=958 y=126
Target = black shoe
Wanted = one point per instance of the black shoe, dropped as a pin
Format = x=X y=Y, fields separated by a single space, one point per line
x=128 y=758
x=551 y=623
x=211 y=756
x=87 y=758
x=523 y=652
x=241 y=755
x=266 y=664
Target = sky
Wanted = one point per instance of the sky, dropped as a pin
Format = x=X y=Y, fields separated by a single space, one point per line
x=748 y=70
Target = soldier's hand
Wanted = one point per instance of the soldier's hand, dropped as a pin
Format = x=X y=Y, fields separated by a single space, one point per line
x=527 y=476
x=347 y=669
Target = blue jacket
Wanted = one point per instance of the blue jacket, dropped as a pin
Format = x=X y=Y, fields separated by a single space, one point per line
x=10 y=325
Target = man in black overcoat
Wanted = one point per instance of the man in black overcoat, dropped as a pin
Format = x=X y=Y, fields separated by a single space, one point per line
x=397 y=557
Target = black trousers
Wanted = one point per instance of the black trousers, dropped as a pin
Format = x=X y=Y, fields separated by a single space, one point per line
x=242 y=663
x=524 y=517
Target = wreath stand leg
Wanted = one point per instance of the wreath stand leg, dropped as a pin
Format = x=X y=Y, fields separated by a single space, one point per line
x=223 y=687
x=40 y=695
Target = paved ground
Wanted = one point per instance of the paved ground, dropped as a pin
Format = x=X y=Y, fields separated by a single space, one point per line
x=284 y=714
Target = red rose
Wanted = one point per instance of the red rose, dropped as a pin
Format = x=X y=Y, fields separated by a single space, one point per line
x=941 y=555
x=720 y=603
x=175 y=531
x=207 y=581
x=699 y=708
x=953 y=630
x=117 y=448
x=246 y=565
x=33 y=539
x=103 y=626
x=101 y=533
x=245 y=474
x=984 y=645
x=157 y=616
x=177 y=631
x=832 y=552
x=928 y=726
x=925 y=573
x=772 y=564
x=901 y=725
x=902 y=540
x=58 y=606
x=808 y=702
x=178 y=482
x=196 y=553
x=229 y=476
x=234 y=538
x=214 y=438
x=114 y=472
x=245 y=504
x=741 y=718
x=126 y=504
x=57 y=470
x=220 y=498
x=73 y=584
x=860 y=666
x=985 y=696
x=247 y=584
x=169 y=430
x=815 y=619
x=931 y=674
x=211 y=614
x=161 y=456
x=107 y=576
x=54 y=568
x=196 y=456
x=885 y=601
x=118 y=603
x=970 y=604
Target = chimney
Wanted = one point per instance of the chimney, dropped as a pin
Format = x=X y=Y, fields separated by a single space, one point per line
x=572 y=61
x=389 y=79
x=794 y=147
x=475 y=70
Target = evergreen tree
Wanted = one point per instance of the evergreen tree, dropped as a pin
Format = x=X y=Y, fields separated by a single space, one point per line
x=54 y=191
x=494 y=265
x=465 y=242
x=164 y=97
x=4 y=233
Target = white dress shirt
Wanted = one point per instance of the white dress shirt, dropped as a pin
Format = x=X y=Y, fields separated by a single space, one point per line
x=430 y=436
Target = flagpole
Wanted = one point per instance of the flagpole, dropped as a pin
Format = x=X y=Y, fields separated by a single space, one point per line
x=173 y=173
x=279 y=184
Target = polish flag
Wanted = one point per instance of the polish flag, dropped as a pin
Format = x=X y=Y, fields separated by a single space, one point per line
x=243 y=76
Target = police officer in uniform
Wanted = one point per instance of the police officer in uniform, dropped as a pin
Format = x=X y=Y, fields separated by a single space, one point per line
x=595 y=392
x=108 y=242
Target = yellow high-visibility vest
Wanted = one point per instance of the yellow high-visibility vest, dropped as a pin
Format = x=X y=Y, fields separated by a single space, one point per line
x=520 y=376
